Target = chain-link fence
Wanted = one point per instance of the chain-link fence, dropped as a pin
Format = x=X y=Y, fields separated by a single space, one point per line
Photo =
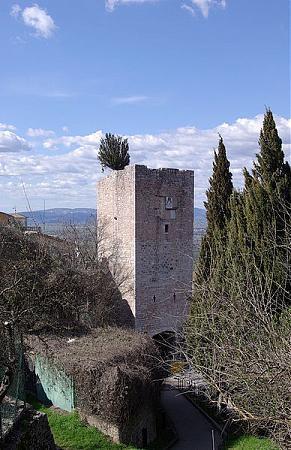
x=14 y=400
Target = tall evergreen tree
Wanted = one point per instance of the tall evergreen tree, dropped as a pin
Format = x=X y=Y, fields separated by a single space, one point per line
x=268 y=191
x=113 y=152
x=220 y=190
x=217 y=211
x=239 y=321
x=266 y=207
x=271 y=169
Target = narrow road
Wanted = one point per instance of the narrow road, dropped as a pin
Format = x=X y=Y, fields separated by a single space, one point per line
x=193 y=428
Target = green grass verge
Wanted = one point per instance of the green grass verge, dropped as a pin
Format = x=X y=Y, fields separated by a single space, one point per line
x=71 y=434
x=250 y=443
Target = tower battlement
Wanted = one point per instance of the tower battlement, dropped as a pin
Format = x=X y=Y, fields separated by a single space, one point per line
x=149 y=215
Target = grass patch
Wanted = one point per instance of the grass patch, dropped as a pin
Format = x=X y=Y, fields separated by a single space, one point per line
x=250 y=443
x=71 y=434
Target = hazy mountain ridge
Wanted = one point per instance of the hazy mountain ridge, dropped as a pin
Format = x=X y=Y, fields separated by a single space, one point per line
x=80 y=216
x=77 y=216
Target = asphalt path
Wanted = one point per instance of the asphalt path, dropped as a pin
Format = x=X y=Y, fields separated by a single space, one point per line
x=195 y=431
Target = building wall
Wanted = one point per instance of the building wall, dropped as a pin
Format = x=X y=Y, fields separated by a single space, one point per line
x=164 y=247
x=158 y=260
x=20 y=219
x=6 y=219
x=144 y=422
x=115 y=213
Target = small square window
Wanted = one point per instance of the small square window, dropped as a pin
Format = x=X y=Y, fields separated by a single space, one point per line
x=166 y=228
x=169 y=202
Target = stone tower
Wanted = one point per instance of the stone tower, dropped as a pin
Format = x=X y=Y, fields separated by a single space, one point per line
x=148 y=216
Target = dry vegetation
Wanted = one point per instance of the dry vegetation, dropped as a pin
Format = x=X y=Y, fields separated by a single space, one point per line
x=113 y=370
x=242 y=347
x=56 y=286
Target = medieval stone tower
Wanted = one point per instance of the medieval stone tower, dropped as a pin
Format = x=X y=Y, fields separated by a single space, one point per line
x=148 y=216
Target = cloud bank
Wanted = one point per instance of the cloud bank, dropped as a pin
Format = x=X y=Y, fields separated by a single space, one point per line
x=64 y=169
x=11 y=143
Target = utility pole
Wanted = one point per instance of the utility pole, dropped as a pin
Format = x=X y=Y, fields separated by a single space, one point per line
x=44 y=216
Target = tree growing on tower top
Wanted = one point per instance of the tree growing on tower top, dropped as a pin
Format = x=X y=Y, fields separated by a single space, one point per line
x=113 y=152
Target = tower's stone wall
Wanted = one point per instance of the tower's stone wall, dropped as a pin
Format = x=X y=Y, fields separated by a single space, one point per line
x=150 y=213
x=116 y=218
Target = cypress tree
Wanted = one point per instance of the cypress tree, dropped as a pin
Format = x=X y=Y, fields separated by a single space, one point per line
x=268 y=190
x=270 y=168
x=220 y=190
x=266 y=203
x=239 y=312
x=217 y=211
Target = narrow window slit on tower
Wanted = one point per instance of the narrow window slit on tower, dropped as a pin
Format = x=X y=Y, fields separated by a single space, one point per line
x=154 y=299
x=166 y=228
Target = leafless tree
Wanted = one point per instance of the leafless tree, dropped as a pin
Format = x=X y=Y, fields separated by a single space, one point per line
x=241 y=347
x=56 y=285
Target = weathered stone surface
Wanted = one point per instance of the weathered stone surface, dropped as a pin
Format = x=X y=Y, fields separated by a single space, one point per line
x=30 y=432
x=140 y=431
x=149 y=218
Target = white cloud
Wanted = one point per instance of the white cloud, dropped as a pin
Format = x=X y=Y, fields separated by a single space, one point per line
x=189 y=9
x=5 y=126
x=111 y=4
x=69 y=141
x=68 y=178
x=11 y=143
x=39 y=132
x=129 y=100
x=36 y=18
x=65 y=129
x=15 y=10
x=204 y=6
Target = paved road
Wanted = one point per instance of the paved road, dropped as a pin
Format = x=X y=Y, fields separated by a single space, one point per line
x=193 y=428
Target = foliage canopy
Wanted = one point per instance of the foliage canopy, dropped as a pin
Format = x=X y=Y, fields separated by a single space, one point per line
x=238 y=333
x=113 y=152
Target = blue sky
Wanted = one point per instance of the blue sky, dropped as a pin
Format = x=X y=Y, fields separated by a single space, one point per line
x=169 y=74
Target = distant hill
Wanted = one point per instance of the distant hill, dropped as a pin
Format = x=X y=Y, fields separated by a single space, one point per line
x=60 y=216
x=200 y=220
x=81 y=216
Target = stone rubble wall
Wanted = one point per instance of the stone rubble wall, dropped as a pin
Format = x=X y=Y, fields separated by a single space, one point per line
x=155 y=241
x=115 y=212
x=131 y=433
x=164 y=256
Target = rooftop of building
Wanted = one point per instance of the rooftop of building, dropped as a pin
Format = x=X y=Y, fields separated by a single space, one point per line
x=5 y=214
x=18 y=216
